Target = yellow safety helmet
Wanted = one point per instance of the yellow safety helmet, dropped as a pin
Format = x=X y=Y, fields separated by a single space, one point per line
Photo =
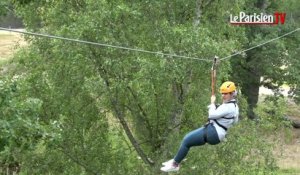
x=227 y=87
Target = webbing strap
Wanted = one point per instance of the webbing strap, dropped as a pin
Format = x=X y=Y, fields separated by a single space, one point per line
x=234 y=102
x=228 y=117
x=220 y=125
x=216 y=121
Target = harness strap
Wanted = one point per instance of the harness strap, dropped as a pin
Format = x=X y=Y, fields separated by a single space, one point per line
x=228 y=117
x=220 y=125
x=234 y=102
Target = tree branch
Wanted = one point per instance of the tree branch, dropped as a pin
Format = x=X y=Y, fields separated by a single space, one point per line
x=74 y=159
x=119 y=114
x=198 y=13
x=118 y=111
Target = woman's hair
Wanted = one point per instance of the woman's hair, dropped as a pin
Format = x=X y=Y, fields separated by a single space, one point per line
x=234 y=93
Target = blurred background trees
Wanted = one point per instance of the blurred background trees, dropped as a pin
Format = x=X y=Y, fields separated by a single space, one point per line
x=70 y=108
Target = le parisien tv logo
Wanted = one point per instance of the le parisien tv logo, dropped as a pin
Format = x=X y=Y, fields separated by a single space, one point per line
x=258 y=19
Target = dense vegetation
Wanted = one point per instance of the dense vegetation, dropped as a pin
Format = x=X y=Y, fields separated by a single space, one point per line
x=71 y=108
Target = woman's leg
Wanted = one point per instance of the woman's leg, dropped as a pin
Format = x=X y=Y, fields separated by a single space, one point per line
x=193 y=138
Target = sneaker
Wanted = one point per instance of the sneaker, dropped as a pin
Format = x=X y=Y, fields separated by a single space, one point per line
x=171 y=167
x=168 y=162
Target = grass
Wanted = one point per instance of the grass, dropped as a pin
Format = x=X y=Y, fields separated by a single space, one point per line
x=290 y=171
x=289 y=161
x=9 y=43
x=293 y=110
x=287 y=150
x=289 y=157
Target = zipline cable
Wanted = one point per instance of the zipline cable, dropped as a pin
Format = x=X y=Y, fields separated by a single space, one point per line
x=214 y=75
x=100 y=44
x=237 y=53
x=141 y=50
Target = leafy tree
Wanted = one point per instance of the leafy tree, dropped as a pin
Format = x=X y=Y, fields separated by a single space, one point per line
x=275 y=62
x=105 y=106
x=4 y=4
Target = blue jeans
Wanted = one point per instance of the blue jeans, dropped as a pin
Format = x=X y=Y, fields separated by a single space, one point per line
x=197 y=138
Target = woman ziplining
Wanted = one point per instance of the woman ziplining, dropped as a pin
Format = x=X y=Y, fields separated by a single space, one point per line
x=216 y=128
x=220 y=119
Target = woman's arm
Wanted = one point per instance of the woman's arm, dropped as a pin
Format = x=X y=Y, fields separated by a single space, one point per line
x=221 y=111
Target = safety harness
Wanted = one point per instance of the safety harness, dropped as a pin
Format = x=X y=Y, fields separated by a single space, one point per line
x=216 y=121
x=222 y=126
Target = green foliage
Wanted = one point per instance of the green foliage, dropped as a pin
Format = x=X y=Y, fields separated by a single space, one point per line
x=267 y=61
x=79 y=140
x=245 y=151
x=3 y=7
x=271 y=112
x=78 y=99
x=21 y=129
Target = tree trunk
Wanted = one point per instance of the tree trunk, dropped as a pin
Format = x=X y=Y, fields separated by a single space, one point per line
x=251 y=89
x=198 y=13
x=252 y=75
x=262 y=4
x=119 y=114
x=118 y=111
x=200 y=5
